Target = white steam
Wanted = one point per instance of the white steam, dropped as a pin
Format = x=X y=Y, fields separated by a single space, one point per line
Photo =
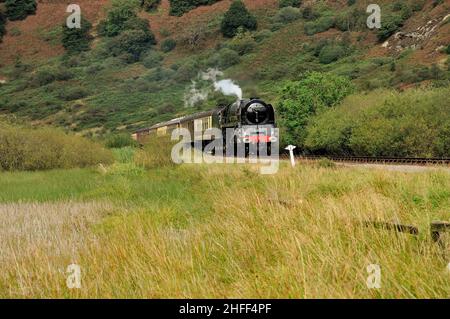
x=227 y=87
x=195 y=95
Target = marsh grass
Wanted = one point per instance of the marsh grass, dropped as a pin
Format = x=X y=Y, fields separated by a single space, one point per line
x=226 y=231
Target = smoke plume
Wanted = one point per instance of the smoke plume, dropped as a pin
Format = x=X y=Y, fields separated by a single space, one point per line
x=226 y=86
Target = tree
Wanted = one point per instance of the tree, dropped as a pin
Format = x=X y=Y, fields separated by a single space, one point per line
x=131 y=43
x=289 y=3
x=20 y=9
x=301 y=100
x=77 y=40
x=180 y=7
x=118 y=19
x=237 y=17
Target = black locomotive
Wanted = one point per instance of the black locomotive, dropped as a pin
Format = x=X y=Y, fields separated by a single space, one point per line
x=251 y=122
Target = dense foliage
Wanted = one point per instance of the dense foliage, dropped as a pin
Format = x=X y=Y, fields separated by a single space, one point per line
x=290 y=3
x=20 y=9
x=236 y=18
x=180 y=7
x=301 y=100
x=77 y=39
x=415 y=123
x=122 y=16
x=42 y=149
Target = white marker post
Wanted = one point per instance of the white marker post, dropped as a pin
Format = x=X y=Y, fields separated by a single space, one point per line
x=291 y=149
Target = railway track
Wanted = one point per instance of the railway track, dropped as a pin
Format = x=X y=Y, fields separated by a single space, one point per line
x=375 y=160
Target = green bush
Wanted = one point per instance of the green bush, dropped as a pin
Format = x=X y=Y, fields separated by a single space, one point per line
x=242 y=43
x=43 y=149
x=415 y=123
x=187 y=71
x=301 y=100
x=331 y=53
x=447 y=50
x=120 y=141
x=168 y=45
x=262 y=35
x=152 y=59
x=121 y=17
x=131 y=44
x=308 y=13
x=287 y=15
x=353 y=19
x=180 y=7
x=237 y=17
x=69 y=93
x=290 y=3
x=391 y=23
x=320 y=25
x=20 y=9
x=226 y=58
x=43 y=77
x=77 y=40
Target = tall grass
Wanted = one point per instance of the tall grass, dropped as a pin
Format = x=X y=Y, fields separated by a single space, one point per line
x=157 y=152
x=41 y=149
x=216 y=231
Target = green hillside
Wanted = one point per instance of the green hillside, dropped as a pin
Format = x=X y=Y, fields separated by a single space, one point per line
x=121 y=73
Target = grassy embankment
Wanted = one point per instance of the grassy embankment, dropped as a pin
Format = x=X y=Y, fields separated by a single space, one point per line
x=210 y=231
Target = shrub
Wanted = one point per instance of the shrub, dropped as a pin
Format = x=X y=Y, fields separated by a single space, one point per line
x=243 y=43
x=290 y=3
x=150 y=5
x=157 y=153
x=20 y=9
x=227 y=58
x=351 y=20
x=120 y=141
x=121 y=17
x=131 y=44
x=237 y=17
x=309 y=13
x=69 y=93
x=77 y=40
x=331 y=53
x=262 y=35
x=391 y=23
x=43 y=77
x=415 y=123
x=168 y=45
x=152 y=59
x=194 y=36
x=320 y=25
x=287 y=15
x=300 y=100
x=42 y=149
x=186 y=71
x=447 y=50
x=180 y=7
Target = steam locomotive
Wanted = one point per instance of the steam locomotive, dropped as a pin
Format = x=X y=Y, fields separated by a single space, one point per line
x=250 y=121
